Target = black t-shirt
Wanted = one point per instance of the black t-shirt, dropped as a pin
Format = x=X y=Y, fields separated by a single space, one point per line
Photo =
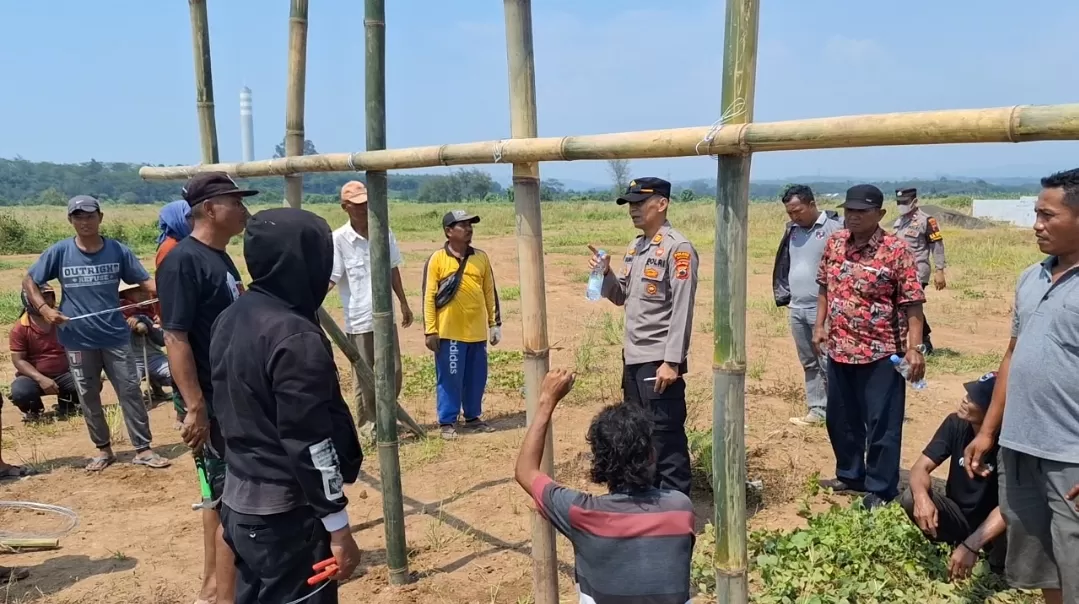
x=195 y=283
x=975 y=497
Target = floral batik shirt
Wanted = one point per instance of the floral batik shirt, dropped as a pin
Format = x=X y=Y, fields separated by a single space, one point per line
x=868 y=288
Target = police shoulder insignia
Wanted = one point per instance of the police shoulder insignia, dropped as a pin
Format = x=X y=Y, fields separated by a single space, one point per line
x=651 y=289
x=657 y=238
x=933 y=229
x=682 y=256
x=650 y=273
x=681 y=272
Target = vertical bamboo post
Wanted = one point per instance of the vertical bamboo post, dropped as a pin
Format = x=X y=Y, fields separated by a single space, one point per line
x=204 y=81
x=297 y=78
x=526 y=202
x=729 y=353
x=385 y=375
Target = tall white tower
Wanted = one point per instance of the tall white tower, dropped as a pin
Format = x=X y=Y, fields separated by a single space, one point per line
x=247 y=125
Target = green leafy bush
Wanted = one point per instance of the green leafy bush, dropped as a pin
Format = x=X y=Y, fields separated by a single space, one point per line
x=849 y=555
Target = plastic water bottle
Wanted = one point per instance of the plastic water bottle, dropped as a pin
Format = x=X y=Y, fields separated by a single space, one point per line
x=595 y=280
x=903 y=367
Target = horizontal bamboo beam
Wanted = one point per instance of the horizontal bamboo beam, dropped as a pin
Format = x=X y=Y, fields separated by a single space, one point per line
x=1020 y=123
x=30 y=543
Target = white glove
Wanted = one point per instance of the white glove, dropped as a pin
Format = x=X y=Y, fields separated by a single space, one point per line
x=495 y=336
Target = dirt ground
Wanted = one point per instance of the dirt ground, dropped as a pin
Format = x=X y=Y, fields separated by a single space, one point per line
x=467 y=522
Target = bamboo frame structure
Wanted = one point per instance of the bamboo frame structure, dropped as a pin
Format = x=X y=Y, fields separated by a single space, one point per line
x=393 y=510
x=297 y=84
x=733 y=140
x=1019 y=123
x=526 y=201
x=204 y=81
x=729 y=310
x=363 y=372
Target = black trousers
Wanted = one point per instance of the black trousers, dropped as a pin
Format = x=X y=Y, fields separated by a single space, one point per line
x=865 y=424
x=274 y=556
x=953 y=527
x=26 y=394
x=926 y=329
x=669 y=413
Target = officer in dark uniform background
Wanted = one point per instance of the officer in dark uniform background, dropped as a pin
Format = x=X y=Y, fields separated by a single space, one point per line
x=657 y=286
x=921 y=233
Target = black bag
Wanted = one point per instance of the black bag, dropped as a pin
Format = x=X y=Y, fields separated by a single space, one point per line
x=447 y=288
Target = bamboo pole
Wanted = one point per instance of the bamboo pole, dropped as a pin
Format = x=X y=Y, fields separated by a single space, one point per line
x=526 y=202
x=729 y=339
x=204 y=81
x=1019 y=123
x=393 y=510
x=30 y=543
x=297 y=78
x=363 y=372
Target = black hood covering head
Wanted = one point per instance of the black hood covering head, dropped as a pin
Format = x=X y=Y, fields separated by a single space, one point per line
x=289 y=253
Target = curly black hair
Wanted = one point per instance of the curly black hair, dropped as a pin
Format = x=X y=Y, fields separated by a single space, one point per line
x=802 y=192
x=622 y=454
x=1067 y=180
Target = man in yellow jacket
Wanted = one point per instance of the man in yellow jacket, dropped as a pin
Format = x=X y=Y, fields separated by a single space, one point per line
x=461 y=315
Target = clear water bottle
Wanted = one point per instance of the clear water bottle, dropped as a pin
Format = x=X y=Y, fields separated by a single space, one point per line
x=903 y=368
x=595 y=280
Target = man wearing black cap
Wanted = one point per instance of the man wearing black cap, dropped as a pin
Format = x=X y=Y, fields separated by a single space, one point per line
x=196 y=282
x=966 y=516
x=461 y=315
x=92 y=330
x=657 y=286
x=922 y=235
x=870 y=308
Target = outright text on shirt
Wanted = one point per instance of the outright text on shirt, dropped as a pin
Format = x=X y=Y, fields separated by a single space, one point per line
x=86 y=276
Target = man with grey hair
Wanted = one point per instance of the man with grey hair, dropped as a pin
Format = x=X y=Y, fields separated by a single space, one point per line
x=1035 y=407
x=91 y=327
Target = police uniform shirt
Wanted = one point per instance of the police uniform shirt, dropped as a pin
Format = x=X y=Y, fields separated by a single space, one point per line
x=657 y=286
x=922 y=235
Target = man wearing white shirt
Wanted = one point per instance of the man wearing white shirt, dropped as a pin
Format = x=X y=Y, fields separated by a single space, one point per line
x=352 y=276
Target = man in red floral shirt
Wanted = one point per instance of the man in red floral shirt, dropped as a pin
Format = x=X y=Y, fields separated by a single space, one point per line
x=870 y=307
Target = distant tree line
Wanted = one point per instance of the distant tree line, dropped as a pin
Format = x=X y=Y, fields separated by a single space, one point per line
x=24 y=182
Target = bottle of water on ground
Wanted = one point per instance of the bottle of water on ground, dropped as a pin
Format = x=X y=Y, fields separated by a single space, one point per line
x=903 y=367
x=595 y=280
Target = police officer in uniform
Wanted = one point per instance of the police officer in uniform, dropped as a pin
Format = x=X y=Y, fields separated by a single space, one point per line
x=657 y=286
x=922 y=234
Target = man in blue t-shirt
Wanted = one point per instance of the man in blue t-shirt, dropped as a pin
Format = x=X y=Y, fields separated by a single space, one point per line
x=92 y=328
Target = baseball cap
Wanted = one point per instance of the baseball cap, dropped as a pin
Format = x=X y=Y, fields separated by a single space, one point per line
x=640 y=189
x=206 y=185
x=980 y=391
x=864 y=197
x=82 y=203
x=905 y=195
x=354 y=192
x=452 y=218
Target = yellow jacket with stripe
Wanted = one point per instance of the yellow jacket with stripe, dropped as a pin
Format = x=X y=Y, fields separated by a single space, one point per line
x=473 y=309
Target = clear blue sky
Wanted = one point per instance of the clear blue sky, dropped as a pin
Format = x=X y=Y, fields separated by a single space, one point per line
x=114 y=80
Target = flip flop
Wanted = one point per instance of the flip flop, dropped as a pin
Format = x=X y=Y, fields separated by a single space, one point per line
x=152 y=461
x=12 y=472
x=100 y=462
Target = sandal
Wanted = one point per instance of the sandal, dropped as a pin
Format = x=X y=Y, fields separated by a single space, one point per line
x=9 y=574
x=153 y=460
x=100 y=462
x=15 y=472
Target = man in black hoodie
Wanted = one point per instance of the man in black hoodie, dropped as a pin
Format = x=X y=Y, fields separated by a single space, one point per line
x=290 y=442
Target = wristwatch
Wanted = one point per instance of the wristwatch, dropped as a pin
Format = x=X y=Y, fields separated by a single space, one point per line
x=920 y=348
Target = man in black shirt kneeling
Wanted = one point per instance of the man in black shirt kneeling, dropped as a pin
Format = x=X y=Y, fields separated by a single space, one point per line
x=966 y=516
x=290 y=442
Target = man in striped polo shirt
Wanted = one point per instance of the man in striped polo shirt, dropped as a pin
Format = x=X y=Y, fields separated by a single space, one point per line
x=632 y=545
